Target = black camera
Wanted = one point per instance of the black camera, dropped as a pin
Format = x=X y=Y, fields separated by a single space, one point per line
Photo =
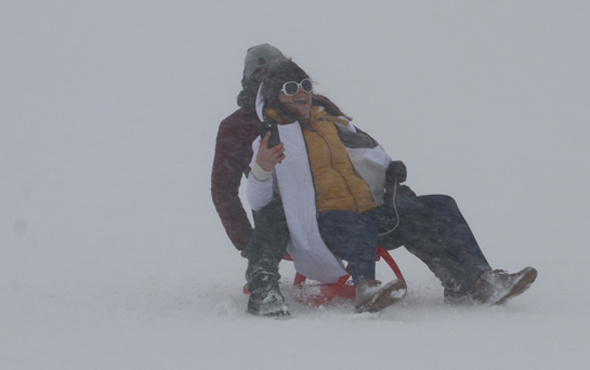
x=271 y=126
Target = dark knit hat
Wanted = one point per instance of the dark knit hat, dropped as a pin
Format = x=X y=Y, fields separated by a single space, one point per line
x=259 y=56
x=276 y=76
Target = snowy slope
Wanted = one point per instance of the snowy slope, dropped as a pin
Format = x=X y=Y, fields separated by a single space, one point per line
x=112 y=255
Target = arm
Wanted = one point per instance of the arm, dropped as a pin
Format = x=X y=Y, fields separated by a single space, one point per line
x=364 y=133
x=396 y=173
x=232 y=154
x=260 y=188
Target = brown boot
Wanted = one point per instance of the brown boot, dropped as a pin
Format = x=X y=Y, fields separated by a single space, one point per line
x=370 y=297
x=497 y=286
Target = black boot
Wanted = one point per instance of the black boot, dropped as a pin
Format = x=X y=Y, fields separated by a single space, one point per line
x=265 y=250
x=265 y=297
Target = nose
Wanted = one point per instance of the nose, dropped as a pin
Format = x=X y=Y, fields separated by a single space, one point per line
x=301 y=92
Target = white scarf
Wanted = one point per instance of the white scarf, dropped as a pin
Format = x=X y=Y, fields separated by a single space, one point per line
x=292 y=179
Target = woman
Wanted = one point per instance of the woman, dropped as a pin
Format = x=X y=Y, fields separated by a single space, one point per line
x=323 y=167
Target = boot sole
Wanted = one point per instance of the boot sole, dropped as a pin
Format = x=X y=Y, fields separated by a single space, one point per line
x=283 y=311
x=523 y=284
x=390 y=294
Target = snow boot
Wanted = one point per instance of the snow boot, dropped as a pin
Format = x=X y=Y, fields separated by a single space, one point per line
x=266 y=298
x=370 y=297
x=498 y=286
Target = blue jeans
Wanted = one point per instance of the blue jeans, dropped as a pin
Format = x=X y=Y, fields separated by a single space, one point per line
x=430 y=227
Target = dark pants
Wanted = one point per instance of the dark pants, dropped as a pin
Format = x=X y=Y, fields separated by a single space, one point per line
x=431 y=227
x=267 y=245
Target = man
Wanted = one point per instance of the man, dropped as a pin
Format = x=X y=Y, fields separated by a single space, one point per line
x=233 y=149
x=233 y=152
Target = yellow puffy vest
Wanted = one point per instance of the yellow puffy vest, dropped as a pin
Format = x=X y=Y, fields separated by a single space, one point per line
x=337 y=186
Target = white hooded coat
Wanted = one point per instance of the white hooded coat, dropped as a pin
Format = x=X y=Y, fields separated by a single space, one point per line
x=292 y=180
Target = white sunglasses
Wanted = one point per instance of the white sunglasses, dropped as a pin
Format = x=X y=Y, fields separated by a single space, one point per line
x=291 y=88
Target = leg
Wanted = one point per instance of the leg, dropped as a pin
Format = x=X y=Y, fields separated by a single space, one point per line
x=265 y=250
x=353 y=237
x=433 y=229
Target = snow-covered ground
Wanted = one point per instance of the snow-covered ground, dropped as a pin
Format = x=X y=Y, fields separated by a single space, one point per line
x=112 y=255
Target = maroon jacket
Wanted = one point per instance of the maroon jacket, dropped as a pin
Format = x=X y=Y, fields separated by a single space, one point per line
x=233 y=152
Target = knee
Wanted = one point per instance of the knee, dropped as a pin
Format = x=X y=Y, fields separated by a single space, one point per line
x=442 y=207
x=444 y=201
x=272 y=214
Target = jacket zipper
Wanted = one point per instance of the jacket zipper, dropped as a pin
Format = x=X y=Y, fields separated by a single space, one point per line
x=313 y=182
x=337 y=170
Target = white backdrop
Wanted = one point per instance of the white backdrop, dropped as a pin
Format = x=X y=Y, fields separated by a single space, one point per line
x=112 y=255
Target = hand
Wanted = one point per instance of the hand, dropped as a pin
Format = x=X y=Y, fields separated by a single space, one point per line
x=268 y=158
x=396 y=171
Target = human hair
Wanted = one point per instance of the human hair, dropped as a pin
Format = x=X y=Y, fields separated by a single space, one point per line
x=251 y=82
x=278 y=73
x=247 y=97
x=287 y=70
x=329 y=106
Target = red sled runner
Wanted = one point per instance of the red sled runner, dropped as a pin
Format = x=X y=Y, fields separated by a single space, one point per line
x=341 y=288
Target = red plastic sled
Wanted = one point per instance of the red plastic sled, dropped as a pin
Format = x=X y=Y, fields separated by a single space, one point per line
x=342 y=288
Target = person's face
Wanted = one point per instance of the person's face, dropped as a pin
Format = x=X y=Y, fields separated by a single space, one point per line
x=299 y=104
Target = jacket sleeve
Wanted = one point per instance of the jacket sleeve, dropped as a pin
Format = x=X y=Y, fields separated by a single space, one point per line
x=259 y=193
x=230 y=162
x=375 y=142
x=368 y=147
x=403 y=191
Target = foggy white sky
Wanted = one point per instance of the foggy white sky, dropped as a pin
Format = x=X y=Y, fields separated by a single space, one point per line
x=109 y=111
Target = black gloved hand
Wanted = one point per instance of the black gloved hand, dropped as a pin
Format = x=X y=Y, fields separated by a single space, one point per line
x=396 y=171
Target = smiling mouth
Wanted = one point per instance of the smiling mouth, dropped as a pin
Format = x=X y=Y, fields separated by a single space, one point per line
x=301 y=101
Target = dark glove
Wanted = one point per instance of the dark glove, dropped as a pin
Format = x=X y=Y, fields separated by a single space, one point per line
x=244 y=252
x=396 y=171
x=403 y=192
